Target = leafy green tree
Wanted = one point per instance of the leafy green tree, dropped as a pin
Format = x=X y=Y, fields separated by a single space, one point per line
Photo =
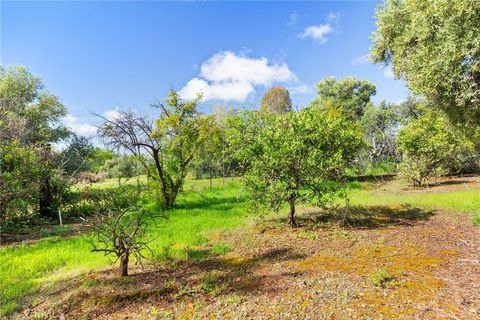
x=98 y=157
x=127 y=166
x=171 y=142
x=297 y=157
x=350 y=95
x=434 y=46
x=428 y=146
x=276 y=100
x=30 y=121
x=74 y=158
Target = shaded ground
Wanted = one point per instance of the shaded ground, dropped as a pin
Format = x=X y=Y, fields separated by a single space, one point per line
x=387 y=262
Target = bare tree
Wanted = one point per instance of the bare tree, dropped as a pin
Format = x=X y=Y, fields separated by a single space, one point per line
x=121 y=227
x=171 y=142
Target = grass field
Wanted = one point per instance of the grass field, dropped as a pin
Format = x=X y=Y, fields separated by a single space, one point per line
x=25 y=268
x=200 y=212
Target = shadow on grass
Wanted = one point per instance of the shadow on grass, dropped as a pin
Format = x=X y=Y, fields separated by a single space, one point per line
x=358 y=217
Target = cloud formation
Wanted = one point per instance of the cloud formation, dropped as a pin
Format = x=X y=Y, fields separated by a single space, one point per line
x=230 y=76
x=84 y=129
x=319 y=32
x=112 y=114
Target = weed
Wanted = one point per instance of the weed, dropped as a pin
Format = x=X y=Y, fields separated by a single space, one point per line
x=380 y=278
x=213 y=284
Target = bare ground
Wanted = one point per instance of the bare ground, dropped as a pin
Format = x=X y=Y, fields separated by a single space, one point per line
x=391 y=263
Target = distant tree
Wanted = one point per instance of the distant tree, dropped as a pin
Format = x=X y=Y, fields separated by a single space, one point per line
x=434 y=46
x=127 y=166
x=98 y=157
x=350 y=95
x=428 y=146
x=74 y=158
x=297 y=157
x=277 y=100
x=380 y=124
x=171 y=143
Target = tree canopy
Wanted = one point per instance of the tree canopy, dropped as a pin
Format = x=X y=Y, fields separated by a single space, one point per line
x=295 y=157
x=350 y=95
x=276 y=100
x=435 y=47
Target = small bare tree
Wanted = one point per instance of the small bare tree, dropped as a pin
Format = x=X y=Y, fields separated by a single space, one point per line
x=121 y=228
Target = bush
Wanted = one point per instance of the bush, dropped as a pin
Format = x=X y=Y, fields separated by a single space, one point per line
x=429 y=146
x=122 y=167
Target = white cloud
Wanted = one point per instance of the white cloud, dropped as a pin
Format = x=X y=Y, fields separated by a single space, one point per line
x=230 y=76
x=112 y=114
x=361 y=60
x=224 y=90
x=84 y=129
x=319 y=32
x=301 y=89
x=388 y=73
x=293 y=19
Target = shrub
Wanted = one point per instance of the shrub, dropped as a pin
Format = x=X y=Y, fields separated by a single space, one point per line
x=428 y=146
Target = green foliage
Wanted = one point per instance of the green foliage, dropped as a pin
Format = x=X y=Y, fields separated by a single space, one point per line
x=75 y=157
x=427 y=145
x=26 y=267
x=30 y=120
x=122 y=167
x=166 y=148
x=295 y=157
x=350 y=95
x=276 y=100
x=98 y=157
x=434 y=46
x=380 y=278
x=476 y=219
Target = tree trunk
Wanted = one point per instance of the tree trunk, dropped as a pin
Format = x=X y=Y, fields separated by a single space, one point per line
x=46 y=202
x=123 y=269
x=46 y=207
x=210 y=172
x=291 y=215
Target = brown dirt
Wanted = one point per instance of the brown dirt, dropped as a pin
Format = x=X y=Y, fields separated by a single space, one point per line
x=395 y=263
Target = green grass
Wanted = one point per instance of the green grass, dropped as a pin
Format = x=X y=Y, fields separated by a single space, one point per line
x=27 y=268
x=463 y=201
x=467 y=201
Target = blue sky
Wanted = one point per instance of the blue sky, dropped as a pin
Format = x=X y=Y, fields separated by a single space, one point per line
x=100 y=56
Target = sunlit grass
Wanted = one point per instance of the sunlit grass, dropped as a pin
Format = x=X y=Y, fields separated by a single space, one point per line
x=467 y=201
x=25 y=268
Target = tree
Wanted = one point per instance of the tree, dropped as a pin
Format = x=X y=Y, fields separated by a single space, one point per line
x=295 y=157
x=98 y=157
x=74 y=159
x=30 y=121
x=380 y=125
x=276 y=100
x=350 y=95
x=434 y=46
x=428 y=146
x=171 y=143
x=122 y=226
